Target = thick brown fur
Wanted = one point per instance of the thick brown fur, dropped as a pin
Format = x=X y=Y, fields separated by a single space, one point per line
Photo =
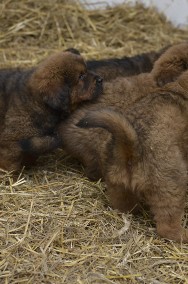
x=34 y=101
x=147 y=156
x=119 y=94
x=130 y=95
x=125 y=66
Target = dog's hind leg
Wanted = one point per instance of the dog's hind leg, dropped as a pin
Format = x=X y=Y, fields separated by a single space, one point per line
x=166 y=199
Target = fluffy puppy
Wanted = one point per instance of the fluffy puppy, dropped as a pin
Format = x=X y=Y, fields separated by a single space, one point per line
x=112 y=68
x=34 y=101
x=120 y=94
x=147 y=157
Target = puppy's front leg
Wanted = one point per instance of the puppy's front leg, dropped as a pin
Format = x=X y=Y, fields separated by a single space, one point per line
x=40 y=145
x=167 y=203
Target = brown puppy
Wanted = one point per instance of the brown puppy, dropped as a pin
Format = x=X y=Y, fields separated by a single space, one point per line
x=120 y=94
x=147 y=157
x=33 y=101
x=112 y=68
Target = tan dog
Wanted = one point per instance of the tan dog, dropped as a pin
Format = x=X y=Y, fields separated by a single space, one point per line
x=90 y=146
x=119 y=95
x=34 y=101
x=147 y=157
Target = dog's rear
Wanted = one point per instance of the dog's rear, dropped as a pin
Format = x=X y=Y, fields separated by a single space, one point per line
x=122 y=152
x=124 y=144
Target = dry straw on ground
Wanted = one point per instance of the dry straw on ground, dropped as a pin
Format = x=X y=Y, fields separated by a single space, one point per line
x=55 y=225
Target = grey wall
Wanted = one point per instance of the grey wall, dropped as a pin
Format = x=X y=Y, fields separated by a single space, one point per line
x=175 y=10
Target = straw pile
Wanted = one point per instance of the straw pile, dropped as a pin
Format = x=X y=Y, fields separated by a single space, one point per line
x=55 y=225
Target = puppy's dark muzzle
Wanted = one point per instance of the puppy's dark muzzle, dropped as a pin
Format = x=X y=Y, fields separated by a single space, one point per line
x=99 y=80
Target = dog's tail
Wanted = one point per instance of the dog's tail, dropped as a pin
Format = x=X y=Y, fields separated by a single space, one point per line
x=124 y=135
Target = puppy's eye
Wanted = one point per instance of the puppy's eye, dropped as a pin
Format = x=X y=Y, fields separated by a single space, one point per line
x=82 y=76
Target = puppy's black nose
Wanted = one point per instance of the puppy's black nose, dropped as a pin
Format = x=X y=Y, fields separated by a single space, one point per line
x=99 y=79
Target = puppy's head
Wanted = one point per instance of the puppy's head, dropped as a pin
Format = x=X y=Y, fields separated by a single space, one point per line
x=87 y=86
x=62 y=81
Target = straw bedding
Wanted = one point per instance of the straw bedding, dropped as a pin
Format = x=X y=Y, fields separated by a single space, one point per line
x=55 y=225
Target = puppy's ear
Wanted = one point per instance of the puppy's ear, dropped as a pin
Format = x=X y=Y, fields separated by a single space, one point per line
x=73 y=50
x=60 y=100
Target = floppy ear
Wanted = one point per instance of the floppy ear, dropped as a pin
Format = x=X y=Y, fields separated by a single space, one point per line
x=73 y=50
x=60 y=100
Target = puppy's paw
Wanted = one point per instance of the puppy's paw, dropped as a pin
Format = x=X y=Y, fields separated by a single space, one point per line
x=175 y=233
x=40 y=145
